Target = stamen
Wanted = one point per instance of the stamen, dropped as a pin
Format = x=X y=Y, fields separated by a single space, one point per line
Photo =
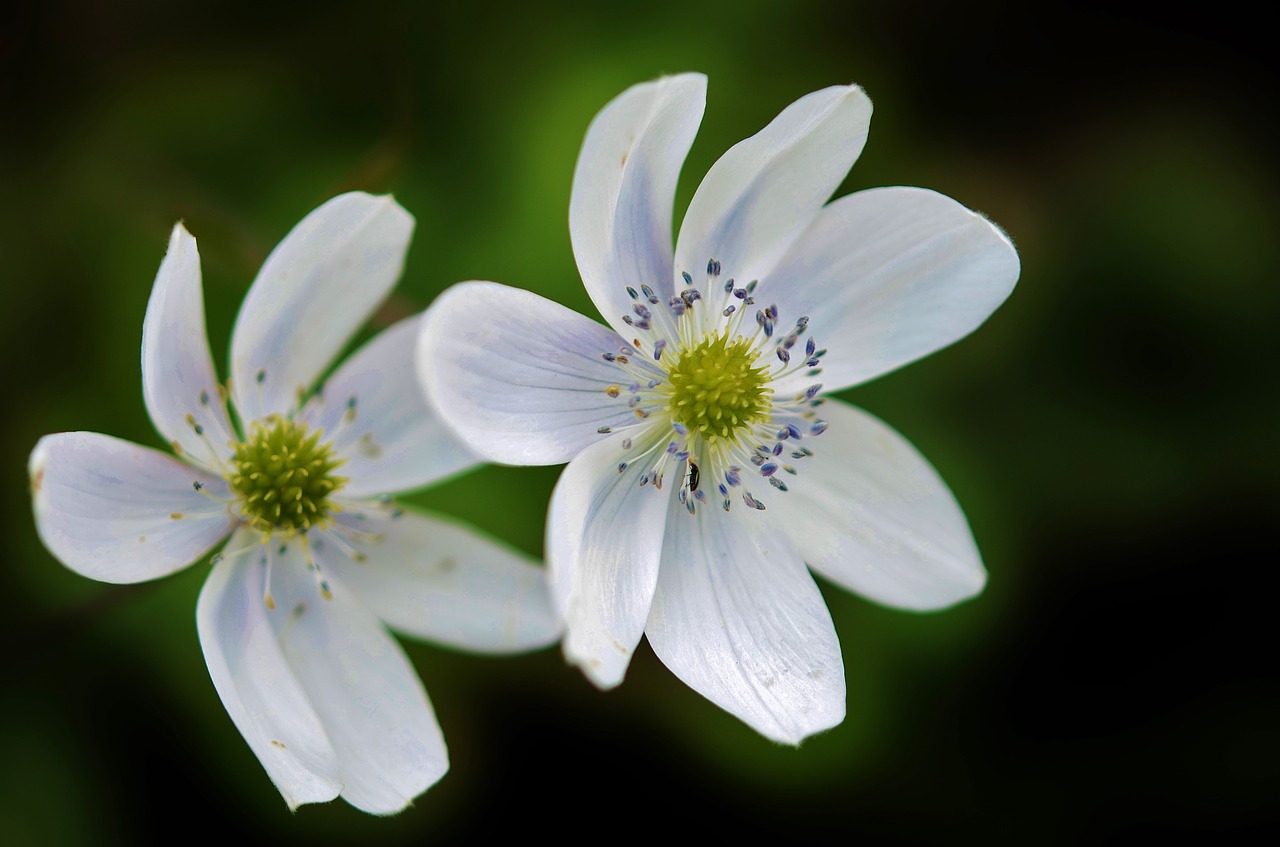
x=267 y=561
x=199 y=486
x=312 y=566
x=226 y=555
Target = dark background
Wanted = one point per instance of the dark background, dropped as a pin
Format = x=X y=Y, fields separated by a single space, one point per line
x=1110 y=432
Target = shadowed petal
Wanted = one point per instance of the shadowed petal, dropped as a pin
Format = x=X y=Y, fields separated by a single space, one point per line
x=377 y=419
x=117 y=512
x=438 y=579
x=624 y=187
x=604 y=539
x=315 y=290
x=738 y=617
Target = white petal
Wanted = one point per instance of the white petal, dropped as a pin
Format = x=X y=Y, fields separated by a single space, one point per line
x=738 y=618
x=178 y=381
x=604 y=541
x=435 y=578
x=868 y=512
x=118 y=512
x=889 y=275
x=258 y=688
x=624 y=187
x=373 y=411
x=764 y=192
x=366 y=693
x=314 y=291
x=519 y=378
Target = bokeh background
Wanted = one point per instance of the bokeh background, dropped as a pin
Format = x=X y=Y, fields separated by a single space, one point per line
x=1110 y=432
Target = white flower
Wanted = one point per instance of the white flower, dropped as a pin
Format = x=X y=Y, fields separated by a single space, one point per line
x=289 y=615
x=705 y=470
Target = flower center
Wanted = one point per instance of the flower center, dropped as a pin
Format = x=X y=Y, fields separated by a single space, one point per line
x=710 y=409
x=283 y=476
x=716 y=390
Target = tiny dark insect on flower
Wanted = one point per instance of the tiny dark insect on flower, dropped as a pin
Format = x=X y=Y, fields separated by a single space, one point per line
x=693 y=477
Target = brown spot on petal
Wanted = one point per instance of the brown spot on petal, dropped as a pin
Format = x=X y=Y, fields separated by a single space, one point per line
x=369 y=448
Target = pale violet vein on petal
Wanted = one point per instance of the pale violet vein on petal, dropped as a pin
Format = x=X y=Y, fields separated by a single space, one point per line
x=519 y=378
x=624 y=188
x=315 y=290
x=435 y=578
x=179 y=386
x=118 y=512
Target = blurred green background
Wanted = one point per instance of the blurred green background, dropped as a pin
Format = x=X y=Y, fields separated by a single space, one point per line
x=1110 y=432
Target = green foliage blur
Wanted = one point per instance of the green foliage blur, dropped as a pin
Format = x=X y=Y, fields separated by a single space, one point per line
x=1110 y=432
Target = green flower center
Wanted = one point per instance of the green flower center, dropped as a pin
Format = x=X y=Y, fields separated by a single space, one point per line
x=715 y=389
x=283 y=476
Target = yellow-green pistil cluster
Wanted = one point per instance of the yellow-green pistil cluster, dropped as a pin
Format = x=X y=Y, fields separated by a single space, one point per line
x=283 y=476
x=715 y=389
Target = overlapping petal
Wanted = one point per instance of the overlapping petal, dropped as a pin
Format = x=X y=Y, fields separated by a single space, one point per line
x=117 y=512
x=373 y=413
x=764 y=192
x=519 y=378
x=624 y=187
x=889 y=275
x=179 y=384
x=438 y=579
x=334 y=663
x=870 y=513
x=604 y=543
x=315 y=290
x=257 y=685
x=737 y=616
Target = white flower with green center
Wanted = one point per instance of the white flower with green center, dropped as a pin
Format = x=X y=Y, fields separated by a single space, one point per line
x=290 y=617
x=706 y=469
